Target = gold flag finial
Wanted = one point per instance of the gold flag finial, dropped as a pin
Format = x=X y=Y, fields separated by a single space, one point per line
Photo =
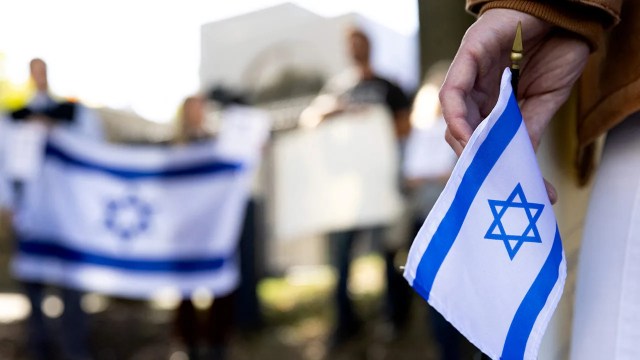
x=516 y=57
x=516 y=49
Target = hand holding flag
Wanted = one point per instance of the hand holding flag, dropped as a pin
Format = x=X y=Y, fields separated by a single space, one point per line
x=489 y=255
x=552 y=65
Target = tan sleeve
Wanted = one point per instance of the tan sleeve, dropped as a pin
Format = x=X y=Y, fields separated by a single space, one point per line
x=588 y=19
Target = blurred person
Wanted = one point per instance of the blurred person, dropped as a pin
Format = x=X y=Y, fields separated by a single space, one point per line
x=241 y=307
x=248 y=316
x=191 y=124
x=51 y=110
x=353 y=90
x=191 y=129
x=358 y=87
x=429 y=160
x=216 y=325
x=46 y=109
x=428 y=164
x=597 y=42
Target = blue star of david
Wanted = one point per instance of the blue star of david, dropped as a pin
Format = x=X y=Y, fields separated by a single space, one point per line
x=497 y=229
x=128 y=217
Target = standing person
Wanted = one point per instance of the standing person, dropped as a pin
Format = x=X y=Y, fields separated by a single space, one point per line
x=561 y=35
x=356 y=88
x=428 y=164
x=248 y=317
x=215 y=330
x=45 y=108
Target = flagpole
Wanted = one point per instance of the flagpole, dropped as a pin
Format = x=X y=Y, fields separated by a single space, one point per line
x=516 y=57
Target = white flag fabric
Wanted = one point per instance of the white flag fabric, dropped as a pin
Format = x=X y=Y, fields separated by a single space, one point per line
x=133 y=221
x=489 y=256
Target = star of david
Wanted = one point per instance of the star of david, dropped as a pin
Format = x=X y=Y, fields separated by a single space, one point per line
x=520 y=211
x=128 y=217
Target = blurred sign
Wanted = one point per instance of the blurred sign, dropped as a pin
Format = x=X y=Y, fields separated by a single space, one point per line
x=24 y=149
x=340 y=175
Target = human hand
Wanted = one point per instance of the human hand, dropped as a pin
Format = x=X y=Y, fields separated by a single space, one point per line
x=553 y=61
x=322 y=108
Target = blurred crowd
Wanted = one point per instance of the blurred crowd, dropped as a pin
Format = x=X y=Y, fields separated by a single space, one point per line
x=418 y=129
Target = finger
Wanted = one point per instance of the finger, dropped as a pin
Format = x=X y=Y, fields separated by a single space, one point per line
x=454 y=93
x=551 y=192
x=455 y=144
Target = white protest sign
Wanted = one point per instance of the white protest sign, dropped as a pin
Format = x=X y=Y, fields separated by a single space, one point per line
x=340 y=175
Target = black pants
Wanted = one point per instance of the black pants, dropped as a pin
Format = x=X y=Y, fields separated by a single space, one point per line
x=73 y=333
x=398 y=292
x=248 y=314
x=213 y=326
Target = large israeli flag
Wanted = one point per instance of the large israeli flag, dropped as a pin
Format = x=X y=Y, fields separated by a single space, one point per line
x=489 y=256
x=134 y=221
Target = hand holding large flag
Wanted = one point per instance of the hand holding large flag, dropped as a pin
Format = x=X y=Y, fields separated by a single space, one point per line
x=489 y=256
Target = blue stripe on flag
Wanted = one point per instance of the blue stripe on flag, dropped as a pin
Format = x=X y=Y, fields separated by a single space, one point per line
x=530 y=307
x=487 y=155
x=203 y=168
x=48 y=249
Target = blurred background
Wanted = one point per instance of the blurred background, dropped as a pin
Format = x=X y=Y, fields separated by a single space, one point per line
x=135 y=62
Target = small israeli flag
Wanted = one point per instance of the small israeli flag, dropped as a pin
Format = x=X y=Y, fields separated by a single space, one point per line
x=489 y=256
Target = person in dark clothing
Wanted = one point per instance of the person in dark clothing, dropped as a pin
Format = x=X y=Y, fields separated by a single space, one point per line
x=352 y=90
x=248 y=317
x=212 y=325
x=46 y=109
x=239 y=308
